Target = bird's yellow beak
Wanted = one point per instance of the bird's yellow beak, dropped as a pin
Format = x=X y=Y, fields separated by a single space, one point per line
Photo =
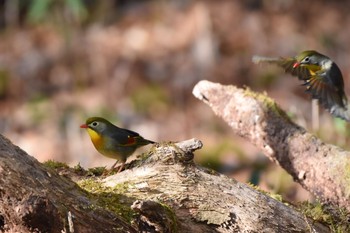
x=84 y=126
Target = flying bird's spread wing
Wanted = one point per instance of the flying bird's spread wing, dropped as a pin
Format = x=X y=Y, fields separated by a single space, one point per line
x=326 y=88
x=286 y=63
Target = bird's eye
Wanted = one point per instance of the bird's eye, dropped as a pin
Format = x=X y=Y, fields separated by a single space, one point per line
x=94 y=123
x=306 y=59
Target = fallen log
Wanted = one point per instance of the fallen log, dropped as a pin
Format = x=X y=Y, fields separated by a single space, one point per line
x=164 y=191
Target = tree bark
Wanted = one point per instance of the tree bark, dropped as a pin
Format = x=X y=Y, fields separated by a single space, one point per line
x=169 y=193
x=322 y=169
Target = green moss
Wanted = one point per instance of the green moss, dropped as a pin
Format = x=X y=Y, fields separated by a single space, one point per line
x=54 y=164
x=144 y=156
x=335 y=218
x=96 y=171
x=116 y=203
x=113 y=199
x=78 y=168
x=314 y=211
x=275 y=196
x=172 y=216
x=268 y=103
x=90 y=185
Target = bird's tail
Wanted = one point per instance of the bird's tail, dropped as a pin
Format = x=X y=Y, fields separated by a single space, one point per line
x=341 y=112
x=142 y=141
x=150 y=142
x=259 y=59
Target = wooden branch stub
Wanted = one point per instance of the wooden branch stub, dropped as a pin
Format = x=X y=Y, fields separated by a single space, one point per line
x=322 y=169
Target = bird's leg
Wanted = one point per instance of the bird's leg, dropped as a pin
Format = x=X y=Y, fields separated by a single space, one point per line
x=121 y=167
x=113 y=166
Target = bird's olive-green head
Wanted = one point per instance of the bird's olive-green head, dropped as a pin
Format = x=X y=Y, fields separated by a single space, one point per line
x=310 y=59
x=97 y=124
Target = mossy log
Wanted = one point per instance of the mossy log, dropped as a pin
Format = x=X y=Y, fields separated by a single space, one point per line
x=165 y=191
x=321 y=168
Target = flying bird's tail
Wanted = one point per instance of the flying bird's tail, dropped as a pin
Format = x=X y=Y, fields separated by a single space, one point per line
x=341 y=112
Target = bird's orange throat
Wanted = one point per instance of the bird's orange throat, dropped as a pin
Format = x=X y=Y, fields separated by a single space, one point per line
x=96 y=138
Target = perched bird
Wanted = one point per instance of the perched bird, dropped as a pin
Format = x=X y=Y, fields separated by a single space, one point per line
x=322 y=78
x=112 y=141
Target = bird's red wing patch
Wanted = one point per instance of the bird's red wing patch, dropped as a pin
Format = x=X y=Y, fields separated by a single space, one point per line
x=131 y=140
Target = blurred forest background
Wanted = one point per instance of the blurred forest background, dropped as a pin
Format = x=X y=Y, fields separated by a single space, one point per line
x=136 y=63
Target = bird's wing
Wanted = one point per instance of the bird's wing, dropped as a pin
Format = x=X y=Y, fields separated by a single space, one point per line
x=318 y=87
x=137 y=139
x=126 y=137
x=286 y=63
x=330 y=97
